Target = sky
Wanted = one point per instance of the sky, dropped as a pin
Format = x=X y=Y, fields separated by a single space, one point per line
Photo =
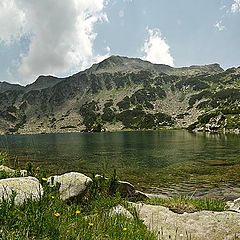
x=62 y=37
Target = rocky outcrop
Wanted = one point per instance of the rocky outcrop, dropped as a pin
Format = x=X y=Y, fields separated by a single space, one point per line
x=216 y=123
x=71 y=185
x=20 y=189
x=202 y=225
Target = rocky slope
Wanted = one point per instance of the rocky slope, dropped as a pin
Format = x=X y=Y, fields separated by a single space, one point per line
x=125 y=93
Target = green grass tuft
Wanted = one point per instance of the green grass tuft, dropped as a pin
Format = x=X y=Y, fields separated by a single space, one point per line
x=181 y=204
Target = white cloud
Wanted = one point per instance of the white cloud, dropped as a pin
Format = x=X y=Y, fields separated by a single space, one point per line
x=219 y=25
x=12 y=21
x=62 y=34
x=235 y=6
x=156 y=49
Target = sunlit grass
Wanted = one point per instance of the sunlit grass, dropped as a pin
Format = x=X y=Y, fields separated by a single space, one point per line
x=181 y=204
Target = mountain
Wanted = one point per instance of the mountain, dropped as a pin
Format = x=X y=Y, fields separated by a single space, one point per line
x=125 y=93
x=43 y=82
x=5 y=86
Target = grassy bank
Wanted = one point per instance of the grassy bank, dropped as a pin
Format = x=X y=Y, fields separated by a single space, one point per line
x=51 y=218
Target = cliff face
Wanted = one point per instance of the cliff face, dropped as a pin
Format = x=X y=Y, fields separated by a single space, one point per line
x=123 y=93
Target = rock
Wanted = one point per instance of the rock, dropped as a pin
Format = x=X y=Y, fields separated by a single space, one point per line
x=120 y=210
x=140 y=196
x=11 y=172
x=203 y=225
x=72 y=184
x=216 y=123
x=7 y=170
x=234 y=205
x=24 y=187
x=158 y=195
x=126 y=189
x=23 y=173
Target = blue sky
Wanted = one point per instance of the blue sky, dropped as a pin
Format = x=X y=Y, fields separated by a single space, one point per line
x=63 y=37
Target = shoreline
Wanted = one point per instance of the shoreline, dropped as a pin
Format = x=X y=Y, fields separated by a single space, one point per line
x=222 y=131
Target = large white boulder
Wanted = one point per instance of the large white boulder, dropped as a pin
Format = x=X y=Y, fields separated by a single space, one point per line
x=22 y=188
x=203 y=225
x=72 y=184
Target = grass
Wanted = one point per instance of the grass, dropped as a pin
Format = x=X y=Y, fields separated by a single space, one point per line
x=52 y=218
x=181 y=204
x=3 y=157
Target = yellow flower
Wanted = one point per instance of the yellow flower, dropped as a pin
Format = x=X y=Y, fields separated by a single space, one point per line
x=90 y=224
x=77 y=212
x=44 y=179
x=124 y=229
x=56 y=214
x=52 y=197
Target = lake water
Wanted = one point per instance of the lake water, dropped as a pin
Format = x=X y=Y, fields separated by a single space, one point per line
x=171 y=161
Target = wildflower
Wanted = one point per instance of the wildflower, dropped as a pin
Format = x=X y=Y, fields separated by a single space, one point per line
x=124 y=229
x=181 y=235
x=56 y=214
x=52 y=197
x=44 y=179
x=77 y=212
x=51 y=186
x=90 y=224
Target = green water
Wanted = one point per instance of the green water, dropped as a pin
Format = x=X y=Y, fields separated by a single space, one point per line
x=160 y=161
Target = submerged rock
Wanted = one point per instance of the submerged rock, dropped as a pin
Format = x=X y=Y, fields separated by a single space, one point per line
x=72 y=184
x=20 y=189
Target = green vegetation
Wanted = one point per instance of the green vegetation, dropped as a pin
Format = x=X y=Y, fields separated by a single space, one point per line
x=181 y=204
x=90 y=218
x=138 y=119
x=3 y=157
x=195 y=83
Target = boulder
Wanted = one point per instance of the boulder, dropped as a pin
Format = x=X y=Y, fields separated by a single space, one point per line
x=126 y=189
x=120 y=210
x=234 y=205
x=22 y=189
x=7 y=170
x=11 y=172
x=203 y=225
x=140 y=196
x=71 y=185
x=23 y=173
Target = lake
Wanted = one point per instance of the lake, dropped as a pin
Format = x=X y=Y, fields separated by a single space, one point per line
x=169 y=161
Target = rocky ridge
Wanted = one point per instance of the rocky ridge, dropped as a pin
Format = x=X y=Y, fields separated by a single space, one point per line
x=123 y=93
